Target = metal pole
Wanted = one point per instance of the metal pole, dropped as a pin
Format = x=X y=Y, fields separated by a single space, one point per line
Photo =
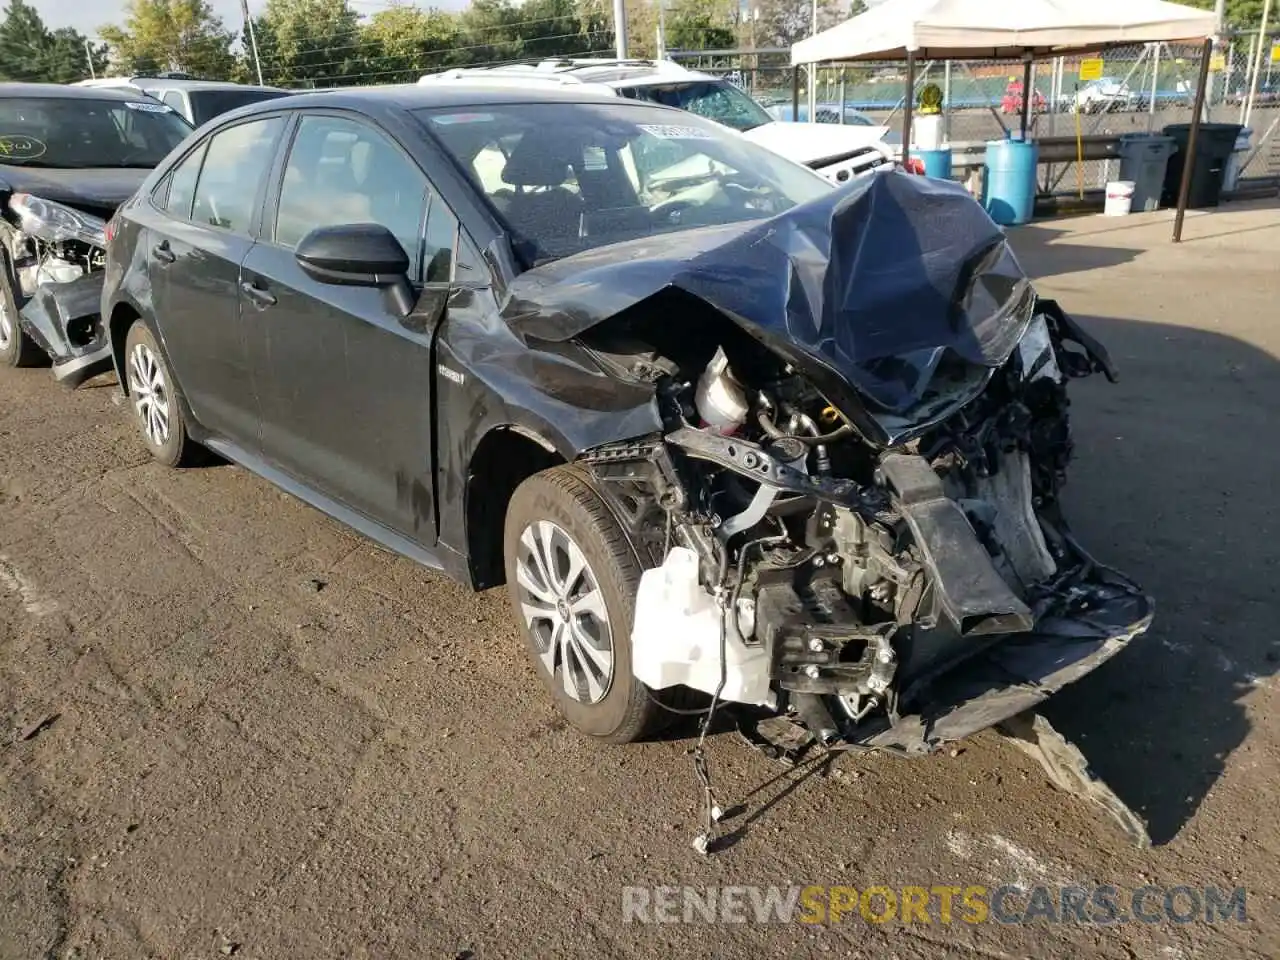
x=1155 y=87
x=1248 y=68
x=662 y=29
x=1027 y=95
x=813 y=71
x=795 y=92
x=1229 y=72
x=620 y=28
x=88 y=55
x=1189 y=161
x=1257 y=61
x=842 y=95
x=908 y=106
x=946 y=102
x=253 y=39
x=1219 y=29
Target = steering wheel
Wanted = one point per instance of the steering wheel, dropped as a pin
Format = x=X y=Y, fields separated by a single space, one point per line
x=671 y=212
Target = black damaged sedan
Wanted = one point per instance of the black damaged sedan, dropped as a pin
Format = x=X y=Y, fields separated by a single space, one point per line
x=69 y=156
x=726 y=434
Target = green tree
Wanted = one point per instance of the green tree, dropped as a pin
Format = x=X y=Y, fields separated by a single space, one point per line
x=180 y=35
x=700 y=25
x=405 y=42
x=1240 y=14
x=313 y=43
x=780 y=23
x=30 y=52
x=550 y=28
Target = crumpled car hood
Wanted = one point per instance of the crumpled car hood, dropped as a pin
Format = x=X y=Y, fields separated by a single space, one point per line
x=866 y=289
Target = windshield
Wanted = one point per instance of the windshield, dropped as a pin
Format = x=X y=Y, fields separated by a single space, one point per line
x=71 y=133
x=567 y=177
x=207 y=104
x=717 y=100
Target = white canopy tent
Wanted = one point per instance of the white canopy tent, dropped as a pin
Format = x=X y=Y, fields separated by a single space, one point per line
x=1010 y=29
x=1013 y=29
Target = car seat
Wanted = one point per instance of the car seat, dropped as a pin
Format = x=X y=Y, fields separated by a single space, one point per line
x=543 y=210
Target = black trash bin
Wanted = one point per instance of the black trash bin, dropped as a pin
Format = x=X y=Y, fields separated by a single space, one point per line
x=1214 y=146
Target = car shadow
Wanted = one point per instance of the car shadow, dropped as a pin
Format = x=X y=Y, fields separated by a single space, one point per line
x=1168 y=487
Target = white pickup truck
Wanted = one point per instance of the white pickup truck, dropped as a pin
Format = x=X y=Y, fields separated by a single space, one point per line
x=837 y=152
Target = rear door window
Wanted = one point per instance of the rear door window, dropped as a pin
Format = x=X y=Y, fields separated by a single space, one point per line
x=235 y=164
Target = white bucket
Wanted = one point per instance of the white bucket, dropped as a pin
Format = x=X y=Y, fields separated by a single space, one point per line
x=1119 y=198
x=926 y=131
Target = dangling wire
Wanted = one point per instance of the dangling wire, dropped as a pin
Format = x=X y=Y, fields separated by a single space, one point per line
x=711 y=811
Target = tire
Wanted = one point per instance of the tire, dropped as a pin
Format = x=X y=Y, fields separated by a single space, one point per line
x=552 y=514
x=16 y=348
x=155 y=401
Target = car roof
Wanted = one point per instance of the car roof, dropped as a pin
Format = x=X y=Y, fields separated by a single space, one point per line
x=58 y=91
x=420 y=97
x=148 y=82
x=610 y=73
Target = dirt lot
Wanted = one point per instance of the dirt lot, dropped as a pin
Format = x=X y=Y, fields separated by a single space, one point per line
x=230 y=727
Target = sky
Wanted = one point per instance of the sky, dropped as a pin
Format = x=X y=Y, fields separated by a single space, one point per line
x=88 y=15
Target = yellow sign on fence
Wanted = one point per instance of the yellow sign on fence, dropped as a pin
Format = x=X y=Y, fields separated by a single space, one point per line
x=1218 y=62
x=1091 y=69
x=1275 y=53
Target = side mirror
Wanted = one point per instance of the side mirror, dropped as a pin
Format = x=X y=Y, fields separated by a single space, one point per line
x=353 y=254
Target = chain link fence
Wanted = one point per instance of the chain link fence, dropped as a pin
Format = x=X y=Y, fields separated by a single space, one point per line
x=1136 y=89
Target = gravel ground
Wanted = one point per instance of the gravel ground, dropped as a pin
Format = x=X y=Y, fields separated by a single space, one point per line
x=229 y=726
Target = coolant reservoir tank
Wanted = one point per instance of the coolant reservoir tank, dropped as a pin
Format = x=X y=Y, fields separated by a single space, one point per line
x=720 y=399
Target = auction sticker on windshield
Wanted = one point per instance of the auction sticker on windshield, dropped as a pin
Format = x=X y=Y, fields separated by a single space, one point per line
x=666 y=131
x=17 y=147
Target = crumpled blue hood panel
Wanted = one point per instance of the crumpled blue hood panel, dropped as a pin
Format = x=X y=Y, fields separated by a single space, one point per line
x=868 y=287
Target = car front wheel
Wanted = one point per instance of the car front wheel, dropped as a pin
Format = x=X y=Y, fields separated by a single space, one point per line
x=572 y=575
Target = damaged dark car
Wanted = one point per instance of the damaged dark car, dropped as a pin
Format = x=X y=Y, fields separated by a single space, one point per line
x=69 y=156
x=727 y=434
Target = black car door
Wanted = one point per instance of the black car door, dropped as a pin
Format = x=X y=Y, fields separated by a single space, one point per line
x=196 y=247
x=345 y=383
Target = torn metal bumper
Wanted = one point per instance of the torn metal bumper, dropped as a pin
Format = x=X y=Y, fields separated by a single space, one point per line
x=65 y=321
x=1097 y=618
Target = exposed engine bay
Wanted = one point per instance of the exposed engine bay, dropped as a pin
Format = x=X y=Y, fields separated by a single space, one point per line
x=798 y=566
x=58 y=254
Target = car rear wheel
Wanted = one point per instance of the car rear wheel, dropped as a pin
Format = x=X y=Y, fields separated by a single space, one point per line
x=153 y=398
x=572 y=575
x=16 y=348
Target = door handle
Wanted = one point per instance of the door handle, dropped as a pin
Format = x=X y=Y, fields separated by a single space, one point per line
x=257 y=294
x=162 y=252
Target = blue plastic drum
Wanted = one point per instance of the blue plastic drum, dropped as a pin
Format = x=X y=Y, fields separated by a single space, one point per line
x=1009 y=190
x=937 y=163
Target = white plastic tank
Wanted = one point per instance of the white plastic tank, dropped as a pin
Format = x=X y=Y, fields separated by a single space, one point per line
x=677 y=632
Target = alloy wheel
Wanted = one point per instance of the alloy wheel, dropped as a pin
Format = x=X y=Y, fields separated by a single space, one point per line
x=565 y=612
x=6 y=326
x=150 y=394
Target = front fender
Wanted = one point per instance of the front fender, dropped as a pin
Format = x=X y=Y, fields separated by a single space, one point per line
x=553 y=393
